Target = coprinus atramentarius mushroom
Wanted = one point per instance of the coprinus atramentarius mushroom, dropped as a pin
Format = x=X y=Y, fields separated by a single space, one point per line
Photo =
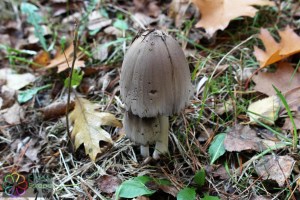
x=155 y=83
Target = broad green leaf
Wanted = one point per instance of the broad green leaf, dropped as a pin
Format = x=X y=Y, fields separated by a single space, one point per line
x=26 y=95
x=134 y=188
x=76 y=78
x=186 y=194
x=121 y=24
x=217 y=148
x=207 y=197
x=200 y=178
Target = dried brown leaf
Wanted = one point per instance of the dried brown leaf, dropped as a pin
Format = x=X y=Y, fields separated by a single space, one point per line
x=288 y=45
x=108 y=184
x=14 y=115
x=281 y=79
x=217 y=14
x=241 y=138
x=276 y=168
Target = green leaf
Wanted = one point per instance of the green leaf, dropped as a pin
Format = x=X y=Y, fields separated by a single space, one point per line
x=186 y=194
x=26 y=95
x=120 y=24
x=286 y=105
x=200 y=178
x=34 y=19
x=76 y=78
x=134 y=188
x=217 y=148
x=207 y=197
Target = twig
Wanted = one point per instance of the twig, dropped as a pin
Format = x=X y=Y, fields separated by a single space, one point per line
x=71 y=74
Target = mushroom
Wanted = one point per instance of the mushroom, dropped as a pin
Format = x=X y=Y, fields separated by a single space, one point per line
x=155 y=83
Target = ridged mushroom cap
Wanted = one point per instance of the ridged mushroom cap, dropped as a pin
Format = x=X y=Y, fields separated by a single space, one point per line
x=155 y=77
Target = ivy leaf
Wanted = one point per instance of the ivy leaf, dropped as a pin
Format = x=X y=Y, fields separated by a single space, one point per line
x=217 y=148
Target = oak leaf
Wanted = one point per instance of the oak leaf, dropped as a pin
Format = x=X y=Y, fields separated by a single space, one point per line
x=288 y=45
x=87 y=130
x=216 y=14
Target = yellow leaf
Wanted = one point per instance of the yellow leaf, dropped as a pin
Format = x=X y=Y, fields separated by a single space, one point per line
x=216 y=14
x=87 y=130
x=288 y=45
x=264 y=110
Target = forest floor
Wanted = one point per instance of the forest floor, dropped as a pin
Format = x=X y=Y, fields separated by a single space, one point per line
x=236 y=139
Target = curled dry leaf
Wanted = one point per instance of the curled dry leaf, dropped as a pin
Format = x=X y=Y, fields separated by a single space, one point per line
x=288 y=45
x=14 y=115
x=276 y=168
x=56 y=109
x=87 y=131
x=217 y=14
x=8 y=97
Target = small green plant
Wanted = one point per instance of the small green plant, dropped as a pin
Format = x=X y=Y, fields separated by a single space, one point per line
x=217 y=149
x=76 y=78
x=35 y=20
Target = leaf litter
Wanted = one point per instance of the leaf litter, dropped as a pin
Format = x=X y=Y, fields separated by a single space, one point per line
x=39 y=140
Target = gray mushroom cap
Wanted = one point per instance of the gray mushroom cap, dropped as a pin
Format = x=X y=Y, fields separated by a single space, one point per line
x=155 y=78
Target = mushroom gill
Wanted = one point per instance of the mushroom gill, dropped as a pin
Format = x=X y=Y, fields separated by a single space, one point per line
x=155 y=83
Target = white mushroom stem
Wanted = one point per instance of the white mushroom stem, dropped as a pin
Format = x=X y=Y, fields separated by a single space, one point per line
x=145 y=151
x=161 y=145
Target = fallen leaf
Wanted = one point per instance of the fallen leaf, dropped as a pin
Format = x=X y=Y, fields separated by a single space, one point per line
x=287 y=80
x=108 y=184
x=14 y=115
x=177 y=11
x=288 y=45
x=241 y=138
x=265 y=110
x=41 y=59
x=217 y=14
x=143 y=19
x=56 y=109
x=148 y=7
x=8 y=97
x=283 y=79
x=64 y=60
x=276 y=168
x=97 y=21
x=16 y=81
x=111 y=30
x=87 y=131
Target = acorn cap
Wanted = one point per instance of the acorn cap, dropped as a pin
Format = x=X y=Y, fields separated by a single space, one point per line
x=155 y=78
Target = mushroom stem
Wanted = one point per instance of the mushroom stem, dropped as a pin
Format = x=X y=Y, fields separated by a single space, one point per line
x=145 y=151
x=161 y=145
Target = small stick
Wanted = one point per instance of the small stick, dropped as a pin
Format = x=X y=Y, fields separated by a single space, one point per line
x=70 y=77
